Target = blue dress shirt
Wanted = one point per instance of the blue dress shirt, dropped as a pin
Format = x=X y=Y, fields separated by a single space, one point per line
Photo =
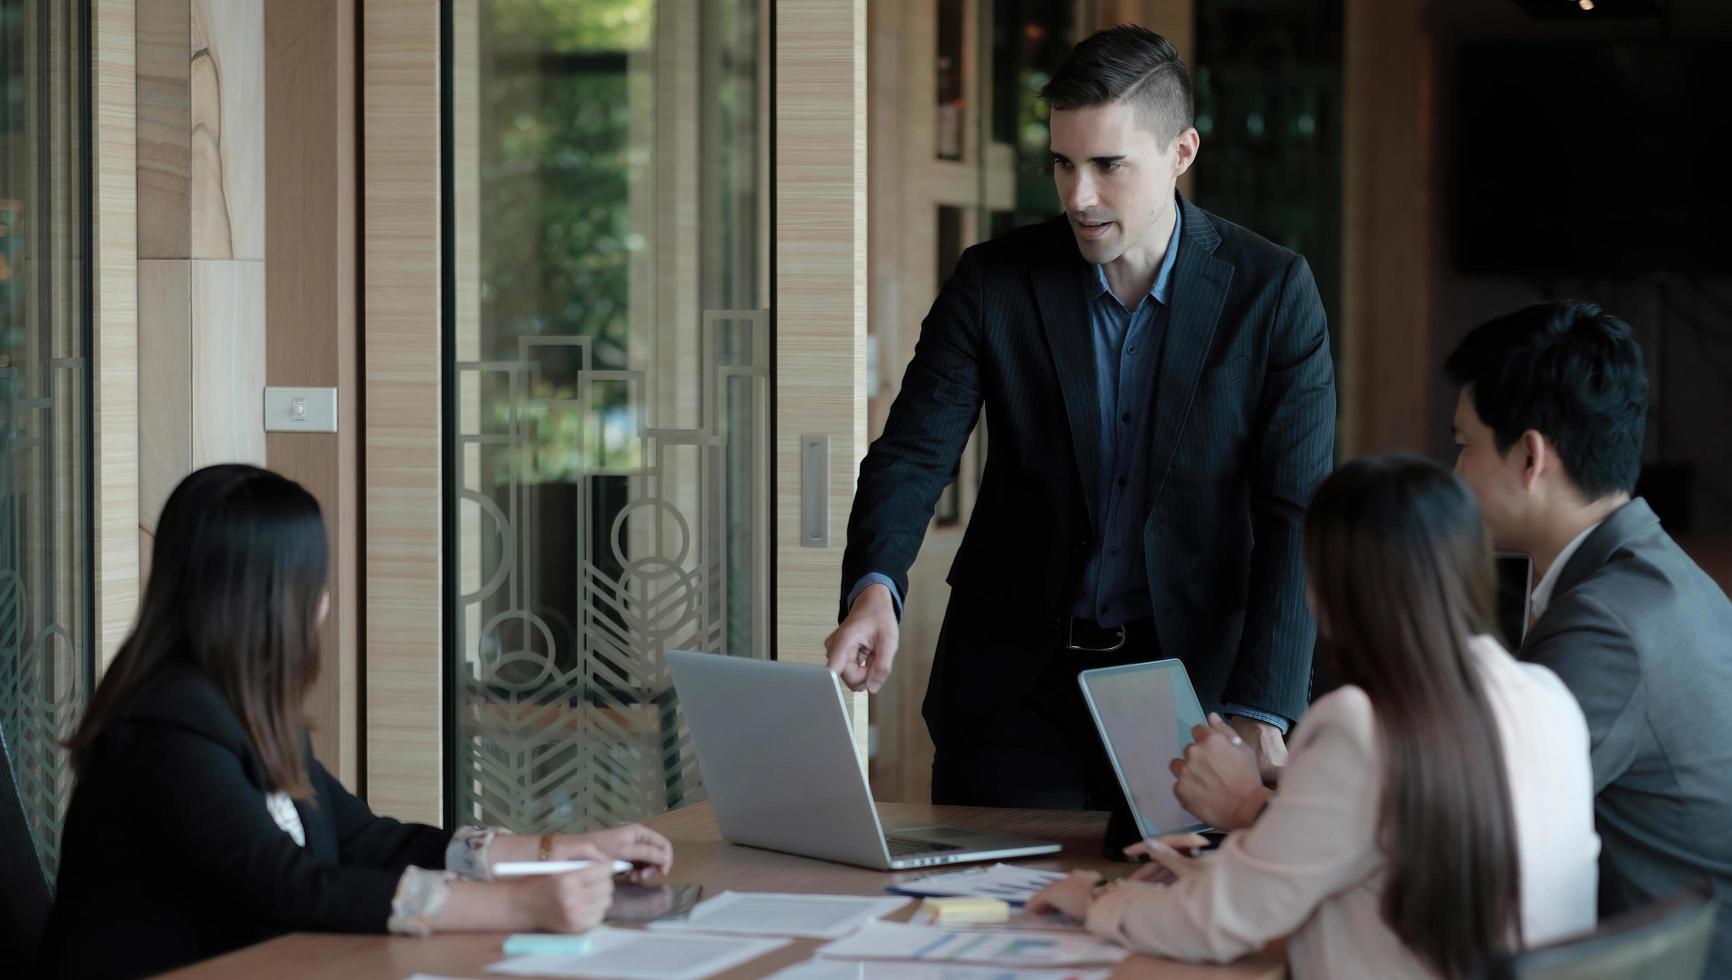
x=1127 y=345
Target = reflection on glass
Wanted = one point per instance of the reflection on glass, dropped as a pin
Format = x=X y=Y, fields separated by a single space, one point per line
x=45 y=570
x=611 y=387
x=950 y=100
x=1268 y=94
x=1028 y=40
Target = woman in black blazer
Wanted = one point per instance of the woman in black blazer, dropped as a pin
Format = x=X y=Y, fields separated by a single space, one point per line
x=201 y=821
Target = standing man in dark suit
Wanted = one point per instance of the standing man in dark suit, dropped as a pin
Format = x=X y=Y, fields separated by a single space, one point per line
x=1158 y=386
x=1550 y=421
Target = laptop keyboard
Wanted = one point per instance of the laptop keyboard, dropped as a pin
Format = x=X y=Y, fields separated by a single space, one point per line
x=909 y=846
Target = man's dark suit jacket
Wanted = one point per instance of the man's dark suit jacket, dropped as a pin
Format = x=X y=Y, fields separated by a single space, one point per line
x=169 y=855
x=1643 y=638
x=1245 y=405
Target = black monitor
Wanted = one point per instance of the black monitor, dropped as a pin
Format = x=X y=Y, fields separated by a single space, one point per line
x=1592 y=158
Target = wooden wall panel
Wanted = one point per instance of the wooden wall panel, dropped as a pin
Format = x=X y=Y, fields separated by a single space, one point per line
x=1175 y=20
x=906 y=183
x=200 y=146
x=401 y=372
x=227 y=146
x=164 y=124
x=114 y=210
x=228 y=362
x=165 y=361
x=310 y=306
x=1385 y=366
x=820 y=300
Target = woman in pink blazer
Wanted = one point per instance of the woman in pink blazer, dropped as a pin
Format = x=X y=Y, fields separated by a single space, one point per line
x=1436 y=812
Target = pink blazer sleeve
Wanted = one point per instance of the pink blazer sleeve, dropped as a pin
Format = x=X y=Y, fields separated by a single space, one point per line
x=1316 y=838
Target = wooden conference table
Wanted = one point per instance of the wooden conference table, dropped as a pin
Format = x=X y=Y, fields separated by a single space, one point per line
x=702 y=857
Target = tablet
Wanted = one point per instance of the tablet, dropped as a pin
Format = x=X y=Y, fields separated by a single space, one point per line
x=1145 y=713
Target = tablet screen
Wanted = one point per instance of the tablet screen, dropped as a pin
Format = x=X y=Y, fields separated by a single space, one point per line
x=1145 y=713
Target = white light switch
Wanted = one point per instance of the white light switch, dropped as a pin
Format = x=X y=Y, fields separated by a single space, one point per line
x=300 y=409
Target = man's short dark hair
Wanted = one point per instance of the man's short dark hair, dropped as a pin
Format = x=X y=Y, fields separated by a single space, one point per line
x=1571 y=372
x=1126 y=63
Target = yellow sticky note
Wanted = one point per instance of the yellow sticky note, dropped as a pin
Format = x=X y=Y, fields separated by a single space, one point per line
x=964 y=911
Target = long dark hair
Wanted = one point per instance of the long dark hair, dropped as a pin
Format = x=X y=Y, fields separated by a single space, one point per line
x=1401 y=572
x=236 y=577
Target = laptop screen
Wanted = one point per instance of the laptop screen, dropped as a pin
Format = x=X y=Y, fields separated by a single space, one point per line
x=1145 y=713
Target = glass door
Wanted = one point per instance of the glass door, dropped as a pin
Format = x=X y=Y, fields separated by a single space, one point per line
x=45 y=494
x=610 y=464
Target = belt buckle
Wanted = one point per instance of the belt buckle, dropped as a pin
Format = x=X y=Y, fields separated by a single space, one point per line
x=1070 y=639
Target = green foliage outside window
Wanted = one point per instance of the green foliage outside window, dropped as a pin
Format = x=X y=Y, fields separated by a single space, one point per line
x=556 y=167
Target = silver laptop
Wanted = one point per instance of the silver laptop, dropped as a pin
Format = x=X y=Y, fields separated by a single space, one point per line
x=777 y=755
x=1145 y=713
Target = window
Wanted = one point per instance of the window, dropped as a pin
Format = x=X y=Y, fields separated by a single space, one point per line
x=46 y=626
x=611 y=383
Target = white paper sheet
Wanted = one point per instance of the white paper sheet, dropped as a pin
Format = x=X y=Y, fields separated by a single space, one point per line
x=1014 y=885
x=770 y=914
x=635 y=954
x=890 y=970
x=930 y=944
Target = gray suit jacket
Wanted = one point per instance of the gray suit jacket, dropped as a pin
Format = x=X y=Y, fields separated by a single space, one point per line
x=1643 y=638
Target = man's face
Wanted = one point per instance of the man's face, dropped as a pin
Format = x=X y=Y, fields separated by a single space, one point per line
x=1115 y=177
x=1496 y=479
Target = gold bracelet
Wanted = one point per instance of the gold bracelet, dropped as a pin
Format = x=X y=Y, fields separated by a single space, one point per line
x=546 y=846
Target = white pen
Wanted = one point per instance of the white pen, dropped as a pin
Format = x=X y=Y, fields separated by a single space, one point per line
x=521 y=869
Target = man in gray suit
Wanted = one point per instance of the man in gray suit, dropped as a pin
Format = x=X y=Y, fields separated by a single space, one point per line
x=1549 y=425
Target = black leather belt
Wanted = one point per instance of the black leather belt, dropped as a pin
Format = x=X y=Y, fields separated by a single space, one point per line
x=1088 y=636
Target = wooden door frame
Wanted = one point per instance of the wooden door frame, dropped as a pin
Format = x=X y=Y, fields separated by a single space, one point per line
x=820 y=273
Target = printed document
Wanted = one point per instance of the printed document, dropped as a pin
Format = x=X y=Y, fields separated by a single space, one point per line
x=929 y=944
x=886 y=970
x=767 y=914
x=634 y=954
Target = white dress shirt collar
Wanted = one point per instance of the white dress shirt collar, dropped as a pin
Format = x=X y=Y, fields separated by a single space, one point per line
x=1542 y=596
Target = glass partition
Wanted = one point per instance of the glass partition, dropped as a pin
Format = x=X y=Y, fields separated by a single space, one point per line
x=611 y=386
x=45 y=493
